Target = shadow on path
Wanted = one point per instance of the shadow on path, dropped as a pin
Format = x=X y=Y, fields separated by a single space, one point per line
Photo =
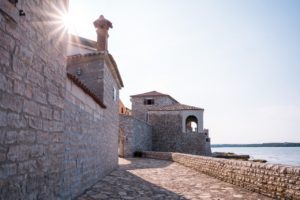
x=141 y=178
x=122 y=184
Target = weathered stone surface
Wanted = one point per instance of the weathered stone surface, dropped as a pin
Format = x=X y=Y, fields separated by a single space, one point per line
x=160 y=179
x=3 y=118
x=54 y=142
x=135 y=135
x=168 y=135
x=268 y=179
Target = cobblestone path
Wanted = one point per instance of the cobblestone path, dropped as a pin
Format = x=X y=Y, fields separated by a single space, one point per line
x=143 y=179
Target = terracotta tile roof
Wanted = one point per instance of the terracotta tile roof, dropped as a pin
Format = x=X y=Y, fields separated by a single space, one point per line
x=153 y=94
x=86 y=89
x=175 y=107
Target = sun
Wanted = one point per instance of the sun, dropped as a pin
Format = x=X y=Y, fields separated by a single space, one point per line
x=67 y=21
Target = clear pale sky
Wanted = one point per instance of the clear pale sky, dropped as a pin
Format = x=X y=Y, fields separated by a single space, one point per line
x=239 y=60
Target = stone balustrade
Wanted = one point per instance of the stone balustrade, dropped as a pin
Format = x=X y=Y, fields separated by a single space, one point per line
x=273 y=180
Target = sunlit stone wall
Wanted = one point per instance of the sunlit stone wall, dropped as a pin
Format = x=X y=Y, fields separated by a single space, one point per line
x=276 y=181
x=53 y=144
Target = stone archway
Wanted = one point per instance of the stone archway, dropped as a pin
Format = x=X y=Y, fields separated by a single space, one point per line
x=191 y=124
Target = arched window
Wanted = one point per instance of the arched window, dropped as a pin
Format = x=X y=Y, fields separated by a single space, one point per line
x=191 y=124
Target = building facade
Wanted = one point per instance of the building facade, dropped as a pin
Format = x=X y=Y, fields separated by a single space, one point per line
x=175 y=127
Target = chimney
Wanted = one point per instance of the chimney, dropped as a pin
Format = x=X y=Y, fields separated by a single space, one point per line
x=102 y=25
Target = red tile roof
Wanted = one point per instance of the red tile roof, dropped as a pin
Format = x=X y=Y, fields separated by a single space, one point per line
x=86 y=89
x=175 y=107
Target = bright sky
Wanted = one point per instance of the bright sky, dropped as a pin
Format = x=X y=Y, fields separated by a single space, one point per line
x=239 y=60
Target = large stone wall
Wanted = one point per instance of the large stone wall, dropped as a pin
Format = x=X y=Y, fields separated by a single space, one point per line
x=32 y=92
x=276 y=181
x=89 y=145
x=135 y=135
x=54 y=140
x=168 y=135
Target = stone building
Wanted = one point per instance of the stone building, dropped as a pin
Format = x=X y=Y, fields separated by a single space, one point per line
x=160 y=123
x=123 y=109
x=58 y=105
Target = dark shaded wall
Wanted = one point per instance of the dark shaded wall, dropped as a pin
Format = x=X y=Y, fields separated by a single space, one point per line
x=136 y=135
x=168 y=136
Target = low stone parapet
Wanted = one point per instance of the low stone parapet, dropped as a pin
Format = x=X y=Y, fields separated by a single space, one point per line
x=273 y=180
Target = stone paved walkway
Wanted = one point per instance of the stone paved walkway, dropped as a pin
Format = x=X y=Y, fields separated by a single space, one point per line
x=143 y=179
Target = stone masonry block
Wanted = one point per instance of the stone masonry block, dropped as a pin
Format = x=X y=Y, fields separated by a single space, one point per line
x=57 y=115
x=12 y=102
x=26 y=137
x=26 y=55
x=7 y=170
x=5 y=58
x=27 y=167
x=5 y=84
x=36 y=151
x=2 y=156
x=39 y=95
x=18 y=153
x=19 y=87
x=16 y=120
x=35 y=122
x=31 y=108
x=3 y=118
x=35 y=77
x=11 y=137
x=55 y=100
x=46 y=112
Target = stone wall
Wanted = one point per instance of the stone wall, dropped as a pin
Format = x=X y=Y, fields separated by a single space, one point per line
x=32 y=92
x=54 y=140
x=276 y=181
x=89 y=145
x=136 y=136
x=168 y=135
x=139 y=110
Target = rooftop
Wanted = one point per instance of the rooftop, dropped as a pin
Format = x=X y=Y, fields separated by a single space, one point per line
x=153 y=94
x=175 y=107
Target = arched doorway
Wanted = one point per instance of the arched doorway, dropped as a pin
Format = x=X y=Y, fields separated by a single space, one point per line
x=191 y=124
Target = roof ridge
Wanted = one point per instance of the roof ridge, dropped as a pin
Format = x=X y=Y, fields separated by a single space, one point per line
x=176 y=106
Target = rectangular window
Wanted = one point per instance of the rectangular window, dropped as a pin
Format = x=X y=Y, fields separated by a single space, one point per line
x=148 y=101
x=114 y=94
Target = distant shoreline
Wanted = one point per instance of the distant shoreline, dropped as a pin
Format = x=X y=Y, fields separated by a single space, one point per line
x=285 y=144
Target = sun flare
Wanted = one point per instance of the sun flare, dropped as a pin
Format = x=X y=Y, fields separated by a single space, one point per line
x=67 y=21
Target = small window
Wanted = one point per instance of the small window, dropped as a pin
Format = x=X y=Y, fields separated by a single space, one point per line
x=207 y=139
x=114 y=94
x=148 y=101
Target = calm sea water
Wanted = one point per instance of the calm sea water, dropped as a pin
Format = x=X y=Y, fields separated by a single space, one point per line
x=278 y=155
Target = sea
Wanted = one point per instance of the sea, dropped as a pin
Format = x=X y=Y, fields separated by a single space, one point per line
x=275 y=155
